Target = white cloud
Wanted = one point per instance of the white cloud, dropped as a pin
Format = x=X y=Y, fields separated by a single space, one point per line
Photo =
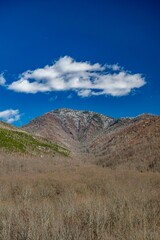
x=2 y=80
x=82 y=77
x=85 y=93
x=114 y=67
x=10 y=115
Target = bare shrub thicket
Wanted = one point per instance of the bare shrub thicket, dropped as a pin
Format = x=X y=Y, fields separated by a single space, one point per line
x=77 y=203
x=15 y=163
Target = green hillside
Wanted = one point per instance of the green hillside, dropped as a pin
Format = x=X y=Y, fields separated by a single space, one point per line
x=22 y=142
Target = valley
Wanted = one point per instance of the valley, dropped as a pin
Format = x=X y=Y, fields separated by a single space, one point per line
x=79 y=175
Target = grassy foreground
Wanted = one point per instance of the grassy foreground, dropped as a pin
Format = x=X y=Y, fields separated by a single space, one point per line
x=79 y=203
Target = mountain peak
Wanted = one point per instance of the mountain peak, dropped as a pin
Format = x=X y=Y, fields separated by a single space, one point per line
x=107 y=140
x=69 y=110
x=68 y=125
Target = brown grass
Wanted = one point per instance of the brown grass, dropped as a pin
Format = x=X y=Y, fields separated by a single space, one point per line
x=85 y=202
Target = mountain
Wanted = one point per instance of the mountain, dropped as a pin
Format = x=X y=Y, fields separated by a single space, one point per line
x=116 y=143
x=68 y=127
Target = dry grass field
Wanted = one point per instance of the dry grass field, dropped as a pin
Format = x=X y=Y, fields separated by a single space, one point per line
x=42 y=200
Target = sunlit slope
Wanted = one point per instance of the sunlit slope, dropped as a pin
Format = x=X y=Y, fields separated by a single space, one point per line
x=15 y=140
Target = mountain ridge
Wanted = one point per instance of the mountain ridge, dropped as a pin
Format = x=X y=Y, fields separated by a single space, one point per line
x=89 y=135
x=92 y=137
x=73 y=125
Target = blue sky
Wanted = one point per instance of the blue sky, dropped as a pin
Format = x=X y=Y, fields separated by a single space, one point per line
x=101 y=55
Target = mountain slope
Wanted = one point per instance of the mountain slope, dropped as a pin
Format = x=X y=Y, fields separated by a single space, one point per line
x=69 y=127
x=135 y=146
x=13 y=139
x=125 y=142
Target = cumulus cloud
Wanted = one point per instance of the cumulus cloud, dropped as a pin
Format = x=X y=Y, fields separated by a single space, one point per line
x=2 y=80
x=82 y=77
x=10 y=115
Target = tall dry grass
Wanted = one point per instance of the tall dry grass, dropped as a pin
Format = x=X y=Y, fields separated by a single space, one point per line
x=69 y=202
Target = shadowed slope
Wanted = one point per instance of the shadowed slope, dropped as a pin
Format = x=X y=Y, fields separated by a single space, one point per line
x=135 y=146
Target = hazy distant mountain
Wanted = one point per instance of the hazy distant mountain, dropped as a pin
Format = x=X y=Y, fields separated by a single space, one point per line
x=124 y=142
